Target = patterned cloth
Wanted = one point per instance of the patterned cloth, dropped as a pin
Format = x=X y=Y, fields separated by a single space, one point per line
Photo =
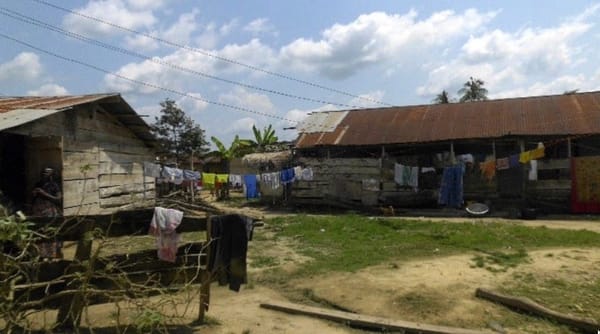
x=163 y=225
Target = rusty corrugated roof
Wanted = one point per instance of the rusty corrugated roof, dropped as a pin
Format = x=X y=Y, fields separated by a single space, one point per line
x=570 y=114
x=44 y=102
x=15 y=111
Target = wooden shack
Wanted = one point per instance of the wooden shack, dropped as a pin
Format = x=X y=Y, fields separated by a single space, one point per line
x=96 y=143
x=353 y=153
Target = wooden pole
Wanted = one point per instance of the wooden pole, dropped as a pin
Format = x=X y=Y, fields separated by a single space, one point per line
x=366 y=321
x=69 y=313
x=206 y=276
x=527 y=305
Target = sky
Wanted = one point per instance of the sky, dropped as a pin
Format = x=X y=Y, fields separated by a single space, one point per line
x=233 y=64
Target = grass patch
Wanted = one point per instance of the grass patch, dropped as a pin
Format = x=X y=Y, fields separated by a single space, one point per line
x=264 y=261
x=498 y=261
x=567 y=296
x=352 y=242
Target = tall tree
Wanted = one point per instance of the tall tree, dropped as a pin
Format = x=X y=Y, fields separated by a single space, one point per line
x=177 y=133
x=473 y=91
x=264 y=138
x=442 y=98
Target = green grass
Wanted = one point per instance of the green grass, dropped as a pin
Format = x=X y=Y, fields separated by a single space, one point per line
x=573 y=297
x=352 y=242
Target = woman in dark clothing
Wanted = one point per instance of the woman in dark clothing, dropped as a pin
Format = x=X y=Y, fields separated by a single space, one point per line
x=47 y=198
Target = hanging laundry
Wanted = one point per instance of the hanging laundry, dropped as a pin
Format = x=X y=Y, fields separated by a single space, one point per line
x=178 y=176
x=163 y=226
x=538 y=153
x=235 y=180
x=427 y=170
x=190 y=175
x=208 y=180
x=151 y=169
x=222 y=178
x=533 y=174
x=406 y=175
x=488 y=169
x=271 y=180
x=451 y=188
x=525 y=157
x=227 y=260
x=502 y=164
x=250 y=188
x=513 y=161
x=298 y=173
x=307 y=174
x=168 y=174
x=287 y=175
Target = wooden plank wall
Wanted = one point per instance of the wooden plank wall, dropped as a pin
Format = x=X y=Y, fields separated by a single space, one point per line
x=338 y=179
x=102 y=161
x=553 y=192
x=115 y=178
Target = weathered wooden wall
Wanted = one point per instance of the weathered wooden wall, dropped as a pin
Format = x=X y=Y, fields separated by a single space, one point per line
x=102 y=161
x=338 y=179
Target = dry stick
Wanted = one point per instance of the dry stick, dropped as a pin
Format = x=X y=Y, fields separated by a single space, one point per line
x=525 y=304
x=366 y=321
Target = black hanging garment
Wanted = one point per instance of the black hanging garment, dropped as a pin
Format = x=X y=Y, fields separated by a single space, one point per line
x=228 y=247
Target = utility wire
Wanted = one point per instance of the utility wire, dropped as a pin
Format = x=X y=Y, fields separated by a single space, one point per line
x=208 y=54
x=142 y=83
x=30 y=20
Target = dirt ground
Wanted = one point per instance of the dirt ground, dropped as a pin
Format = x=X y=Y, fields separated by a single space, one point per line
x=444 y=286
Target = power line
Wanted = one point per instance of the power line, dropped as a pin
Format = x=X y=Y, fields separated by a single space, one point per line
x=208 y=54
x=142 y=83
x=30 y=20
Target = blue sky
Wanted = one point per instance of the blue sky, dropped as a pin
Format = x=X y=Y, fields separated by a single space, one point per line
x=366 y=53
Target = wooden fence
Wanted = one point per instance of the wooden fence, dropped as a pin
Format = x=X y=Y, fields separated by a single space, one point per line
x=57 y=284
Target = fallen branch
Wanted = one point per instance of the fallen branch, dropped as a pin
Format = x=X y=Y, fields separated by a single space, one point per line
x=525 y=304
x=366 y=321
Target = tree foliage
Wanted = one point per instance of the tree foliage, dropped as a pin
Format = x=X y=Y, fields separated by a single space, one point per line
x=264 y=138
x=177 y=133
x=442 y=98
x=473 y=90
x=239 y=147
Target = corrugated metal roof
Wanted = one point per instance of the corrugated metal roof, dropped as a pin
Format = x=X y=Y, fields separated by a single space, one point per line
x=541 y=115
x=15 y=111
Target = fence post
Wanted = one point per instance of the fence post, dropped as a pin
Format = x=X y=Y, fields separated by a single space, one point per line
x=69 y=313
x=206 y=276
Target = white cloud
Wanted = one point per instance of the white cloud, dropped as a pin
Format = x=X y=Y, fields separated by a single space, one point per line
x=181 y=31
x=378 y=38
x=368 y=100
x=515 y=63
x=25 y=66
x=141 y=42
x=228 y=27
x=146 y=4
x=259 y=26
x=242 y=127
x=49 y=90
x=156 y=74
x=192 y=104
x=241 y=98
x=131 y=14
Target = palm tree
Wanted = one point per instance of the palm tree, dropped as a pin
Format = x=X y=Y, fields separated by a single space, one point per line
x=264 y=138
x=442 y=98
x=473 y=91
